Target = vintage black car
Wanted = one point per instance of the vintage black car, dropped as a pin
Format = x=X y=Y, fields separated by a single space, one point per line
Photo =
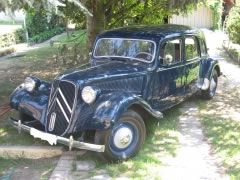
x=133 y=72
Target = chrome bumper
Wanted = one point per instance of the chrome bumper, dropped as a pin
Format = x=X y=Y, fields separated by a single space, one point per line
x=53 y=139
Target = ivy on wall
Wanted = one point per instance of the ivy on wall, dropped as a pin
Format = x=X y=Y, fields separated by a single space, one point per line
x=216 y=7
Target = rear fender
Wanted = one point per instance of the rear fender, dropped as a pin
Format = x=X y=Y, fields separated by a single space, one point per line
x=206 y=70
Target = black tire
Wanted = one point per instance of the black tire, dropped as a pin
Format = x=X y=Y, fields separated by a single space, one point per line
x=211 y=91
x=135 y=133
x=24 y=117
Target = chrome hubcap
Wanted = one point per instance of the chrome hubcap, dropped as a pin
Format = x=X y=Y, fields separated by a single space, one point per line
x=123 y=137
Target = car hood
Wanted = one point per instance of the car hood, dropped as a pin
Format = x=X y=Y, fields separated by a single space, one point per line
x=88 y=73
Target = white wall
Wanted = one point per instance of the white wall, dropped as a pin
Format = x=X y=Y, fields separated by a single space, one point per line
x=200 y=18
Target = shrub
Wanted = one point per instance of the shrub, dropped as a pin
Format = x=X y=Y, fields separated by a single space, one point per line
x=36 y=21
x=20 y=36
x=11 y=38
x=233 y=24
x=46 y=35
x=6 y=51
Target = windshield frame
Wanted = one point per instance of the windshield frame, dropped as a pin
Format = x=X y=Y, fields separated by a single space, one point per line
x=141 y=60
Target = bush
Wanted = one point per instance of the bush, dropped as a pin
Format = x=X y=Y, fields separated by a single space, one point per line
x=6 y=51
x=36 y=21
x=20 y=36
x=233 y=24
x=12 y=38
x=46 y=35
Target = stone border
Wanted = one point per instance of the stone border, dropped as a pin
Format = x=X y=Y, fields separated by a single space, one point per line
x=63 y=170
x=31 y=152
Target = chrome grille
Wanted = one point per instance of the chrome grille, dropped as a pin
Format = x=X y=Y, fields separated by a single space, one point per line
x=60 y=107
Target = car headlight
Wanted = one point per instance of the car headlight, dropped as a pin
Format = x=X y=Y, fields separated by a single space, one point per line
x=89 y=94
x=30 y=84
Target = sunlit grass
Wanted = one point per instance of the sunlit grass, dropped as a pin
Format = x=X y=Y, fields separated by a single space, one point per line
x=76 y=37
x=221 y=124
x=161 y=141
x=224 y=134
x=8 y=166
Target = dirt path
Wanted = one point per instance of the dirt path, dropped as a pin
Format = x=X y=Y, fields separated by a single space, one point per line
x=24 y=47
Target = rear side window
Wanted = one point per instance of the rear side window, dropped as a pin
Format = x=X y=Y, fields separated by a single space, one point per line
x=171 y=53
x=191 y=50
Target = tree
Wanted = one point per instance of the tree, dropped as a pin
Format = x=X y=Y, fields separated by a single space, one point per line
x=104 y=14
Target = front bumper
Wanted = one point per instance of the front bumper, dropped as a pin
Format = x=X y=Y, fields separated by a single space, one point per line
x=53 y=139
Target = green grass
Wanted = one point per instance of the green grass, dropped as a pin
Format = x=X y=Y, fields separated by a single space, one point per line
x=10 y=136
x=161 y=141
x=37 y=62
x=9 y=166
x=222 y=130
x=224 y=134
x=76 y=36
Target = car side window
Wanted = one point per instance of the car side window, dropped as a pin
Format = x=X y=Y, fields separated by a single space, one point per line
x=171 y=52
x=191 y=48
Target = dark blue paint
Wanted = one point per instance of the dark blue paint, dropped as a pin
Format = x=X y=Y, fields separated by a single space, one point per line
x=122 y=84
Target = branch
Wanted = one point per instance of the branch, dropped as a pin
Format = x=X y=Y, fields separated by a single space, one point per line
x=83 y=8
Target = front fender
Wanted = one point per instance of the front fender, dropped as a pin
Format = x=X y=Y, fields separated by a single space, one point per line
x=111 y=106
x=33 y=104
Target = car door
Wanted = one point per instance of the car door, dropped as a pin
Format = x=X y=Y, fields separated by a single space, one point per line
x=168 y=87
x=192 y=63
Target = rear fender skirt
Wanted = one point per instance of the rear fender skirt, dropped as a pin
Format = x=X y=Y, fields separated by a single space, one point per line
x=207 y=68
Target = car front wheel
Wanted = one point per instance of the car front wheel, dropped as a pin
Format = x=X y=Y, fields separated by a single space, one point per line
x=125 y=138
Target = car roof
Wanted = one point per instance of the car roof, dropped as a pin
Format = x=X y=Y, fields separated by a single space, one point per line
x=148 y=32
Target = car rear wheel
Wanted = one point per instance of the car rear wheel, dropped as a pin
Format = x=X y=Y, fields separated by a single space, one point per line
x=125 y=138
x=211 y=91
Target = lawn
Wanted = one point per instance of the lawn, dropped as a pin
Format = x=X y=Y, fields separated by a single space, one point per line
x=221 y=124
x=42 y=63
x=39 y=62
x=33 y=169
x=6 y=28
x=161 y=141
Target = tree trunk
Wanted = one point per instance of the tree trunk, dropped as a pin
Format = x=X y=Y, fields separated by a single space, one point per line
x=96 y=23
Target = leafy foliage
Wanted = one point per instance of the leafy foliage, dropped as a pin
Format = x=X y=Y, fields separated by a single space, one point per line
x=216 y=6
x=36 y=21
x=6 y=51
x=11 y=38
x=46 y=35
x=233 y=24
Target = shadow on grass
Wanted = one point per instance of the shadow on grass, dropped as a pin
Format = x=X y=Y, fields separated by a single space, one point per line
x=13 y=168
x=10 y=136
x=221 y=124
x=161 y=141
x=224 y=134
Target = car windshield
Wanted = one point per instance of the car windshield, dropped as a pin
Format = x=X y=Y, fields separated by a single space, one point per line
x=137 y=49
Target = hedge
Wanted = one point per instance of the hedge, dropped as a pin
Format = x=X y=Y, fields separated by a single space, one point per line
x=233 y=24
x=46 y=35
x=12 y=38
x=6 y=51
